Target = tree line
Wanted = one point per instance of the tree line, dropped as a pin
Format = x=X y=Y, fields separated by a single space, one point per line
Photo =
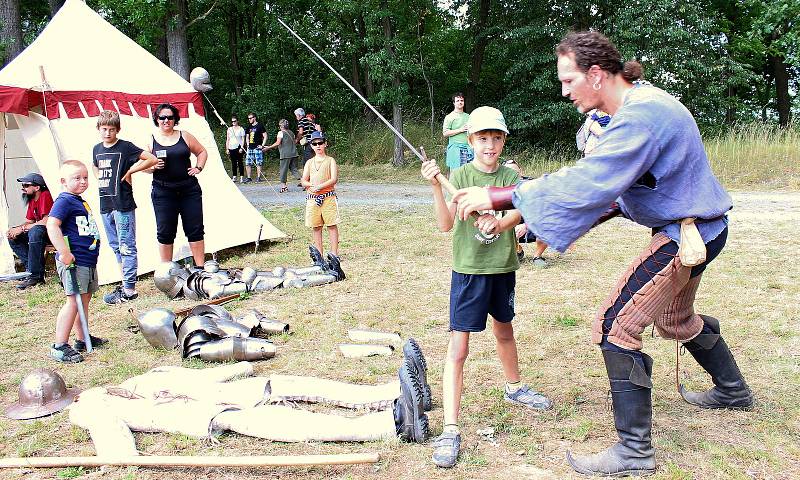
x=729 y=61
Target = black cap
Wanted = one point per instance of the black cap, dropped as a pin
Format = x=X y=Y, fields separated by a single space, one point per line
x=33 y=178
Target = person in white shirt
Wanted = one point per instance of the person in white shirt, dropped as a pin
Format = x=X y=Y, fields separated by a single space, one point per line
x=235 y=145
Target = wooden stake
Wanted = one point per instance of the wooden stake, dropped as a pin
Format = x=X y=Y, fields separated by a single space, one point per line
x=191 y=461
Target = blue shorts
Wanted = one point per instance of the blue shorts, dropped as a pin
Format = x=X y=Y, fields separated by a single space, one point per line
x=254 y=157
x=473 y=297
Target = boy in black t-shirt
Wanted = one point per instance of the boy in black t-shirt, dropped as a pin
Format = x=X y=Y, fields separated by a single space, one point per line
x=114 y=162
x=73 y=232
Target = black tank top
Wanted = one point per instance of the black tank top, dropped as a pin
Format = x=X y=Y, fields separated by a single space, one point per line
x=176 y=161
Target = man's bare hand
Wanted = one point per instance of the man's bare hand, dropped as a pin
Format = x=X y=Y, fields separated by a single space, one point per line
x=429 y=171
x=520 y=230
x=471 y=199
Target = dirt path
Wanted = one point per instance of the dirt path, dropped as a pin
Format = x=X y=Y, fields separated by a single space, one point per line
x=771 y=204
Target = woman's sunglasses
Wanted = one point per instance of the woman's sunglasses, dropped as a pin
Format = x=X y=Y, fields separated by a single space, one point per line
x=317 y=144
x=166 y=117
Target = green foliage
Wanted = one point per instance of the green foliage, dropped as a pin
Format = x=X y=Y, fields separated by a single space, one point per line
x=712 y=54
x=71 y=472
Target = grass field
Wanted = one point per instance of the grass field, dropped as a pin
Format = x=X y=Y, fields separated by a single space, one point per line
x=398 y=280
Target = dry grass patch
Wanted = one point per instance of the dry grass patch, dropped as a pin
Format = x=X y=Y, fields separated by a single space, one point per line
x=398 y=280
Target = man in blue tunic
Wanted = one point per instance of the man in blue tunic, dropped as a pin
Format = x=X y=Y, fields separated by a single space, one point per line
x=650 y=165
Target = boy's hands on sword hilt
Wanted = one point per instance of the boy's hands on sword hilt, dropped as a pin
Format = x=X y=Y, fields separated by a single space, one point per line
x=430 y=170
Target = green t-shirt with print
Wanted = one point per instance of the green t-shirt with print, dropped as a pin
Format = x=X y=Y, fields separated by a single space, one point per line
x=474 y=252
x=454 y=121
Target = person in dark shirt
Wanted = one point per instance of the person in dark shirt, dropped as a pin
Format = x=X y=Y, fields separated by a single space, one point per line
x=256 y=139
x=114 y=161
x=176 y=192
x=28 y=240
x=73 y=232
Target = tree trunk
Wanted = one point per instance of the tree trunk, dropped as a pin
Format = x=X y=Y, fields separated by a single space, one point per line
x=55 y=5
x=481 y=41
x=11 y=29
x=177 y=46
x=783 y=101
x=397 y=109
x=232 y=28
x=369 y=87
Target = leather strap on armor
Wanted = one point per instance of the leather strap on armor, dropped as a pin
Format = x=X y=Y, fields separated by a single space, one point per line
x=501 y=197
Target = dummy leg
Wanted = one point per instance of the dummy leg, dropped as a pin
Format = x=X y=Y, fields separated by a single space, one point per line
x=285 y=424
x=319 y=390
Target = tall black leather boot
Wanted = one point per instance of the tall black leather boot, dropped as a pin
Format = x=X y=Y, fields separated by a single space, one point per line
x=713 y=354
x=633 y=454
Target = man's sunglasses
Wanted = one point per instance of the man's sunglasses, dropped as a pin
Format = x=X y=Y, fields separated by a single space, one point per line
x=166 y=117
x=317 y=144
x=26 y=185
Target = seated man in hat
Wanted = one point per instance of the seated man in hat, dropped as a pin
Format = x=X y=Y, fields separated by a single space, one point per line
x=29 y=239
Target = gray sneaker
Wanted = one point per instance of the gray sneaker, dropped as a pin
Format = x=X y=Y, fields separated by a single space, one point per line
x=528 y=398
x=539 y=262
x=65 y=354
x=119 y=296
x=445 y=449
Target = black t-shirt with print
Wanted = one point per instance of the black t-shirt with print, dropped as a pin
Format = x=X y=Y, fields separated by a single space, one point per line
x=254 y=136
x=112 y=164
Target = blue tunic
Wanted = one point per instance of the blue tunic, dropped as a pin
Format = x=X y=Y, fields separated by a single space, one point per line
x=650 y=159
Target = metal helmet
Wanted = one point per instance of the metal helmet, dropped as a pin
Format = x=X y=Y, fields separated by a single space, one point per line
x=158 y=327
x=168 y=278
x=42 y=392
x=200 y=79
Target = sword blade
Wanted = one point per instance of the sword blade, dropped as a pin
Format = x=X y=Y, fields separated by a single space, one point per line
x=361 y=97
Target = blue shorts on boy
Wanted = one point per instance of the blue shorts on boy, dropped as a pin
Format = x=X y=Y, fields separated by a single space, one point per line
x=473 y=297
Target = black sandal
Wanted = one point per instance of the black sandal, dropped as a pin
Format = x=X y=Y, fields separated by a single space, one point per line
x=283 y=190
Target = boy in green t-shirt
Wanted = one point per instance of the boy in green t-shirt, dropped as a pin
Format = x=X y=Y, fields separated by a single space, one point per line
x=483 y=278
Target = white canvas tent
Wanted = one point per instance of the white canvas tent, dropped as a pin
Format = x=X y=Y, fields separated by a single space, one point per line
x=49 y=97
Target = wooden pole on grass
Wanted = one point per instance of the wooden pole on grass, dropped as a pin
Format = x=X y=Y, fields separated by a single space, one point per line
x=192 y=461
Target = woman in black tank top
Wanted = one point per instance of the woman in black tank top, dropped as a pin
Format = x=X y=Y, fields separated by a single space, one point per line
x=176 y=191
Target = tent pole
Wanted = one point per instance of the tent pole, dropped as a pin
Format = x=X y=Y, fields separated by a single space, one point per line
x=45 y=87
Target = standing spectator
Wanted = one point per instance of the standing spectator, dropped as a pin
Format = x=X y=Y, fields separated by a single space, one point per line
x=306 y=125
x=286 y=145
x=114 y=162
x=454 y=129
x=256 y=139
x=73 y=232
x=234 y=142
x=320 y=176
x=176 y=191
x=29 y=239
